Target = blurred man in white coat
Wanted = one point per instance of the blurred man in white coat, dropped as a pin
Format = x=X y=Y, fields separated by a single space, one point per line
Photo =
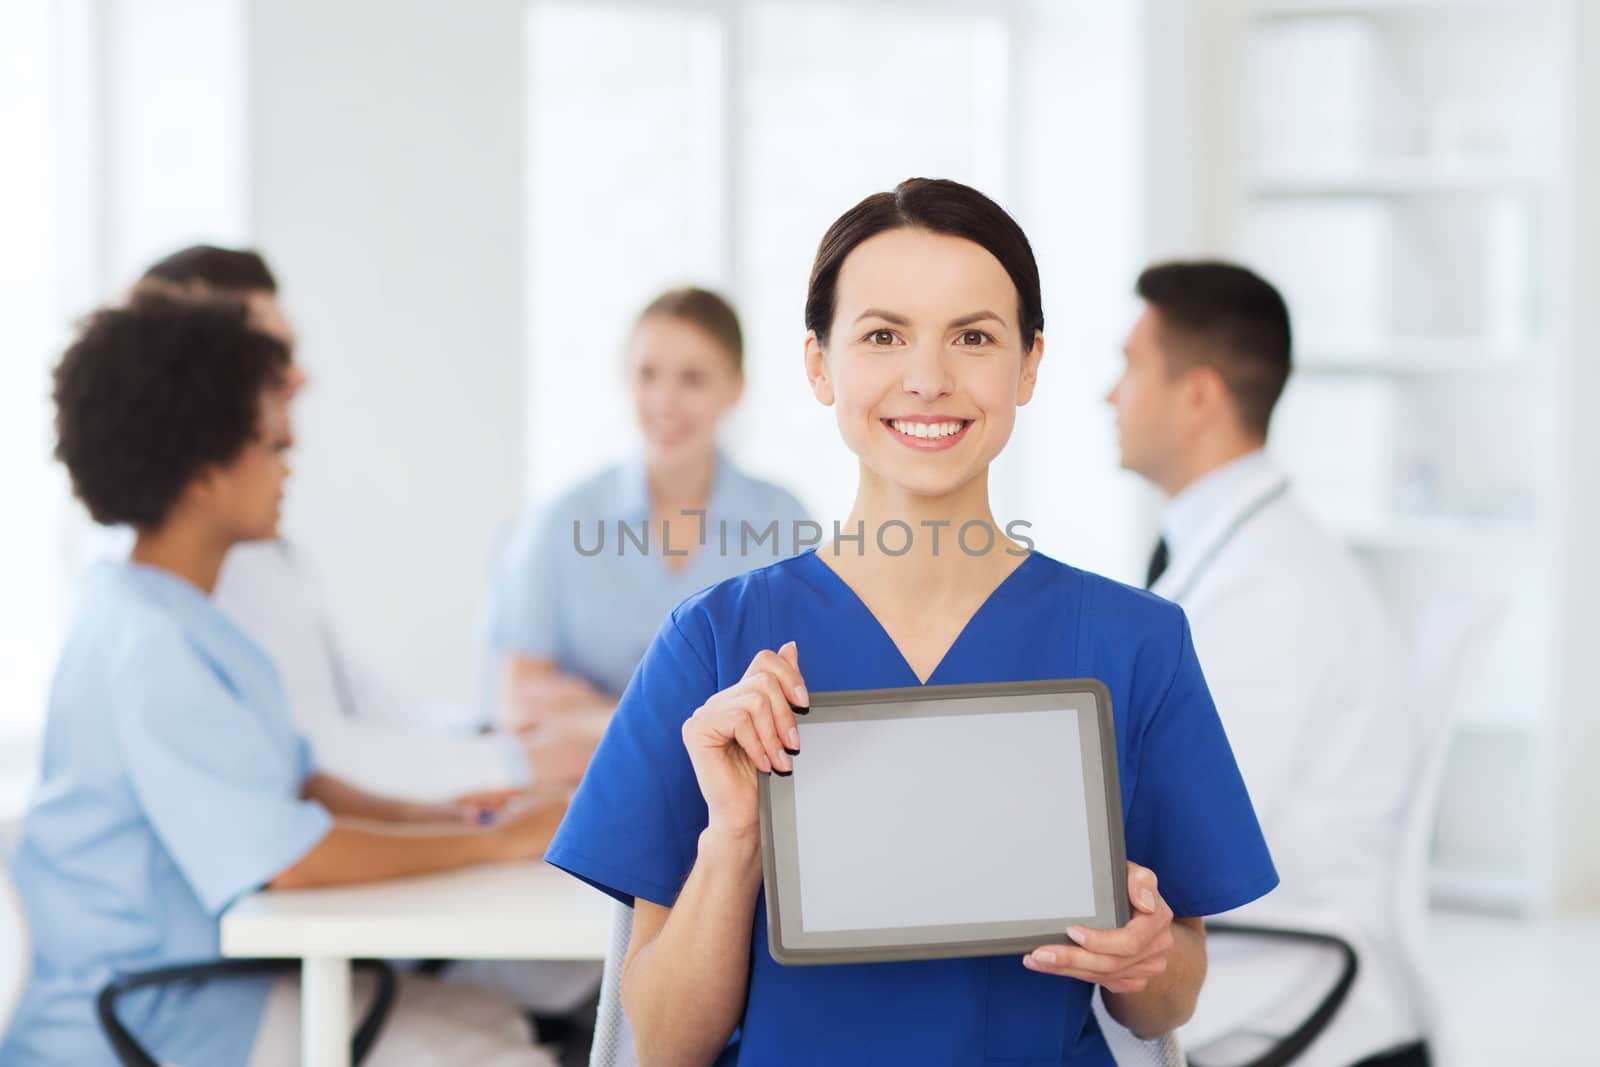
x=1295 y=645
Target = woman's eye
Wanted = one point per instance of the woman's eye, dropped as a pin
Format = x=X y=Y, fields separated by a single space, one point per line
x=881 y=337
x=973 y=337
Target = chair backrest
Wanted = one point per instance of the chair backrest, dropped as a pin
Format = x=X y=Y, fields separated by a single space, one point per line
x=613 y=1040
x=1451 y=630
x=16 y=944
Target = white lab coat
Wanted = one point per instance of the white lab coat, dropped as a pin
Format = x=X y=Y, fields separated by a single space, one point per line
x=360 y=729
x=1302 y=662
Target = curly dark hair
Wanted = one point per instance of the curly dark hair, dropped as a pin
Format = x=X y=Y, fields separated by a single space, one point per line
x=150 y=395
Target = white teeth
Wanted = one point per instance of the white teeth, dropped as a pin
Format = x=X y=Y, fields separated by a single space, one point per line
x=927 y=429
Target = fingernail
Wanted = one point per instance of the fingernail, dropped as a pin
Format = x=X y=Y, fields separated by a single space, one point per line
x=781 y=774
x=1148 y=899
x=1044 y=956
x=805 y=698
x=1076 y=933
x=800 y=709
x=793 y=737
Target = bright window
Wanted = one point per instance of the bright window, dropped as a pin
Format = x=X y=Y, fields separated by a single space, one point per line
x=38 y=282
x=675 y=141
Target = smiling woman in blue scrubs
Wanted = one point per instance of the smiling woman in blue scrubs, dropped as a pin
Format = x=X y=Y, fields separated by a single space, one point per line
x=172 y=779
x=925 y=336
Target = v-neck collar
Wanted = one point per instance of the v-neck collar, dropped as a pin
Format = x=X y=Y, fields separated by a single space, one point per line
x=634 y=504
x=999 y=593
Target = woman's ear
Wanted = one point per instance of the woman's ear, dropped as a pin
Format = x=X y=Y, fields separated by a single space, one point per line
x=1030 y=370
x=817 y=370
x=203 y=489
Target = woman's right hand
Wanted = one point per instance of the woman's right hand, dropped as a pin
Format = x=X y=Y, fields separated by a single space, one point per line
x=745 y=730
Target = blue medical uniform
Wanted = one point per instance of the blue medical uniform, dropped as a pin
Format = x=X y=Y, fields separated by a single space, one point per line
x=170 y=786
x=591 y=599
x=632 y=830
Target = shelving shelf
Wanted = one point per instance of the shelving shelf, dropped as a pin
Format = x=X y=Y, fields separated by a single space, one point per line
x=1384 y=166
x=1285 y=9
x=1479 y=890
x=1426 y=357
x=1439 y=533
x=1401 y=177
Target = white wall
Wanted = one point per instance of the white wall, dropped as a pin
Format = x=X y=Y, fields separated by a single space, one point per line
x=173 y=144
x=1576 y=845
x=387 y=192
x=32 y=271
x=1182 y=119
x=1078 y=190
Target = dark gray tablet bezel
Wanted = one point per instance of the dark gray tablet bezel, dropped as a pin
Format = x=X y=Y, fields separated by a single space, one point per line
x=1103 y=797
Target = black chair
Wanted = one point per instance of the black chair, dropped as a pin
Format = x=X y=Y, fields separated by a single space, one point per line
x=1282 y=1049
x=132 y=1054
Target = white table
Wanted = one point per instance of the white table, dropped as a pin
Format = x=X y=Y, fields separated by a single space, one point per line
x=521 y=911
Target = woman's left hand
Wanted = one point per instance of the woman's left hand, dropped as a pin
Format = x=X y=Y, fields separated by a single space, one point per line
x=1123 y=960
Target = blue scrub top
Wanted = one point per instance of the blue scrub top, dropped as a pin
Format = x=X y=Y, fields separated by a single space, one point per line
x=551 y=580
x=633 y=828
x=170 y=786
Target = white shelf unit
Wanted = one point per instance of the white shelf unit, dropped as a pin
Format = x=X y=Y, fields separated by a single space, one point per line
x=1397 y=168
x=1400 y=177
x=1270 y=9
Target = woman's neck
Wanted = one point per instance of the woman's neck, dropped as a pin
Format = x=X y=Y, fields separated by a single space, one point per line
x=681 y=486
x=949 y=542
x=183 y=550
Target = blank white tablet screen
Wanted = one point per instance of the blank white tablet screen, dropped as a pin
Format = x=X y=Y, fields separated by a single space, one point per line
x=928 y=821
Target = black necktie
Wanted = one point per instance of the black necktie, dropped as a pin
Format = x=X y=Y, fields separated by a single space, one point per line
x=1158 y=564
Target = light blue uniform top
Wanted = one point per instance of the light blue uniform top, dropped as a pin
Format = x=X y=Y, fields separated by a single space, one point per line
x=170 y=786
x=591 y=598
x=633 y=828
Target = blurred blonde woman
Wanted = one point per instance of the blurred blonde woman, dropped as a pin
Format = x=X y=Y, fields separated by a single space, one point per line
x=585 y=581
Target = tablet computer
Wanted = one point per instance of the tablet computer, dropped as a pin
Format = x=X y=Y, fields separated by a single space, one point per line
x=940 y=821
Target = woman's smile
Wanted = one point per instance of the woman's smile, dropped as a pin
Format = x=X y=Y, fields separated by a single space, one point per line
x=927 y=433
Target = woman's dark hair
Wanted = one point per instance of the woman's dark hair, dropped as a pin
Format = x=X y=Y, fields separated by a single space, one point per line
x=229 y=269
x=708 y=311
x=1231 y=319
x=150 y=395
x=939 y=206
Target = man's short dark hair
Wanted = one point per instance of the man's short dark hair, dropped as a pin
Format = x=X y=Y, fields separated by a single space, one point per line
x=150 y=395
x=1231 y=319
x=229 y=269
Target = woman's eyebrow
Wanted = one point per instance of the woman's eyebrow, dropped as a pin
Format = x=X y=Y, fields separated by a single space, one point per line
x=976 y=316
x=886 y=316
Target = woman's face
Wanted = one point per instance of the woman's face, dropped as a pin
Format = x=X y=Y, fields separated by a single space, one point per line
x=683 y=382
x=925 y=366
x=246 y=496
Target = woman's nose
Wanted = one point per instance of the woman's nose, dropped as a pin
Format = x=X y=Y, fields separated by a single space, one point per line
x=927 y=374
